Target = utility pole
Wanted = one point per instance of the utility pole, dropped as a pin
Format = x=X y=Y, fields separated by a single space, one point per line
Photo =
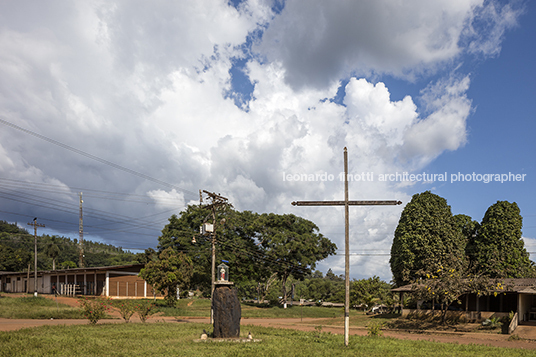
x=81 y=235
x=346 y=203
x=35 y=225
x=217 y=202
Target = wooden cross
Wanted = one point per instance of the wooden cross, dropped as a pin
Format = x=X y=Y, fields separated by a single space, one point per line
x=346 y=203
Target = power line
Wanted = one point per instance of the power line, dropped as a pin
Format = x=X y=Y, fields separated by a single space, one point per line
x=96 y=158
x=69 y=207
x=68 y=190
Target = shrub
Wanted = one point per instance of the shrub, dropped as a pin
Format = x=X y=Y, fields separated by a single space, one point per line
x=95 y=309
x=126 y=309
x=492 y=323
x=375 y=329
x=145 y=309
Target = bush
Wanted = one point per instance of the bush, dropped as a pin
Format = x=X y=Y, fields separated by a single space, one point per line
x=144 y=309
x=95 y=309
x=492 y=323
x=126 y=309
x=375 y=329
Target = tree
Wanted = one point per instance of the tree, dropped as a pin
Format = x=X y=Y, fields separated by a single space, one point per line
x=234 y=243
x=426 y=233
x=256 y=246
x=179 y=233
x=264 y=288
x=68 y=264
x=172 y=270
x=444 y=286
x=14 y=259
x=52 y=251
x=291 y=245
x=497 y=249
x=370 y=291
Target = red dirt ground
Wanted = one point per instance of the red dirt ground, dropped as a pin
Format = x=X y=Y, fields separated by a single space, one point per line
x=307 y=324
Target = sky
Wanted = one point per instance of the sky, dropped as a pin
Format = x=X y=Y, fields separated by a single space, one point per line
x=139 y=105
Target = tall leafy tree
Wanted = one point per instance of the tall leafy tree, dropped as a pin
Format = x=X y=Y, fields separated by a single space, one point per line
x=256 y=246
x=426 y=233
x=172 y=270
x=234 y=243
x=497 y=248
x=291 y=245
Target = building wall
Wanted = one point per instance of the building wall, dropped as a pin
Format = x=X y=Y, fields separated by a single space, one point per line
x=127 y=286
x=122 y=282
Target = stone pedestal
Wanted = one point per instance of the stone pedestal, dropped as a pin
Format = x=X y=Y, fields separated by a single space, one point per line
x=227 y=311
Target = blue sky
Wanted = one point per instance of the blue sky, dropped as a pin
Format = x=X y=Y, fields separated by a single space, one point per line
x=139 y=105
x=500 y=130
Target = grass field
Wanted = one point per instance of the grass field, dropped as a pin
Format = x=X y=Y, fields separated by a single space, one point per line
x=201 y=308
x=171 y=339
x=36 y=308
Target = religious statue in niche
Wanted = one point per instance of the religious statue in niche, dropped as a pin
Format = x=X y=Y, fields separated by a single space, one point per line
x=223 y=271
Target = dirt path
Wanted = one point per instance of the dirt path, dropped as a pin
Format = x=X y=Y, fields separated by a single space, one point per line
x=306 y=324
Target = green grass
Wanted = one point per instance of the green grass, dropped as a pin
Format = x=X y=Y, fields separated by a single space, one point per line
x=186 y=307
x=201 y=308
x=360 y=319
x=173 y=339
x=36 y=308
x=296 y=311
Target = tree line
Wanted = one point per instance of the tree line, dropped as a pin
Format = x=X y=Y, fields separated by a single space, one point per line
x=55 y=252
x=251 y=243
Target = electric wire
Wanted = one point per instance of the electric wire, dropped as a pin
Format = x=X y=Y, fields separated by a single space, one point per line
x=51 y=188
x=96 y=158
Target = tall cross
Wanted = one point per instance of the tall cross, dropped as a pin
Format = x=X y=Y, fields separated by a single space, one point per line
x=346 y=203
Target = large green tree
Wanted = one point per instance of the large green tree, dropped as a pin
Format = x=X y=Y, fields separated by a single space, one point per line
x=172 y=270
x=497 y=249
x=234 y=243
x=291 y=245
x=256 y=246
x=426 y=233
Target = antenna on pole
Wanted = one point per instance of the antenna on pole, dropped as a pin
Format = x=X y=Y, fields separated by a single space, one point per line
x=81 y=235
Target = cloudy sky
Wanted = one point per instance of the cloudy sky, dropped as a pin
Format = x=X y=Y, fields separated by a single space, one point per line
x=140 y=104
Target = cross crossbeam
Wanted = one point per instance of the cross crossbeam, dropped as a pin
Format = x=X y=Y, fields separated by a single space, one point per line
x=350 y=203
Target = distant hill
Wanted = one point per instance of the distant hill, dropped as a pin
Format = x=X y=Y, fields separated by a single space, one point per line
x=17 y=249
